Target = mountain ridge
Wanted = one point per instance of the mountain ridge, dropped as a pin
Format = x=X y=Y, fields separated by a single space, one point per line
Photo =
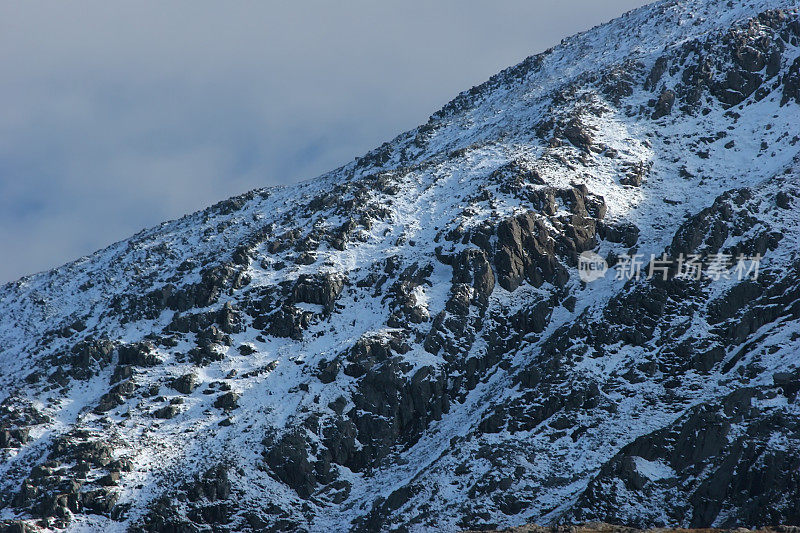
x=405 y=343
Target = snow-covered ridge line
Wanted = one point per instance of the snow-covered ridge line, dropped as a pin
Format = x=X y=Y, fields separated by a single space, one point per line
x=405 y=343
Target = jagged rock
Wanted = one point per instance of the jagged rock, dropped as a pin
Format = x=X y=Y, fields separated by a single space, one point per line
x=185 y=384
x=328 y=371
x=658 y=70
x=138 y=354
x=116 y=396
x=704 y=465
x=14 y=438
x=525 y=249
x=194 y=322
x=472 y=267
x=99 y=501
x=619 y=81
x=87 y=353
x=93 y=452
x=579 y=135
x=369 y=351
x=121 y=372
x=320 y=289
x=389 y=405
x=213 y=335
x=625 y=233
x=664 y=104
x=207 y=505
x=227 y=401
x=791 y=84
x=289 y=322
x=230 y=319
x=404 y=297
x=288 y=459
x=166 y=412
x=206 y=353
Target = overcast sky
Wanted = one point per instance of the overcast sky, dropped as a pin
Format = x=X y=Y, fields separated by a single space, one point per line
x=115 y=116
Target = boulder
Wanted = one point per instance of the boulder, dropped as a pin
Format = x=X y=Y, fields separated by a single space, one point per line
x=138 y=354
x=289 y=322
x=320 y=289
x=14 y=437
x=227 y=401
x=664 y=105
x=167 y=412
x=185 y=384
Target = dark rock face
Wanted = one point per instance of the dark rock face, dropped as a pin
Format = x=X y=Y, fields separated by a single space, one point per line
x=207 y=498
x=215 y=281
x=289 y=461
x=55 y=490
x=791 y=84
x=227 y=401
x=579 y=135
x=664 y=104
x=528 y=250
x=712 y=468
x=525 y=250
x=116 y=396
x=626 y=233
x=138 y=354
x=740 y=65
x=321 y=290
x=472 y=267
x=185 y=384
x=88 y=356
x=404 y=301
x=367 y=352
x=289 y=322
x=392 y=406
x=13 y=438
x=658 y=70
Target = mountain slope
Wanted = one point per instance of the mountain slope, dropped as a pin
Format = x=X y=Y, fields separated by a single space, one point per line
x=406 y=343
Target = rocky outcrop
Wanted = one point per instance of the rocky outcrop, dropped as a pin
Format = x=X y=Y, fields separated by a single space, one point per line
x=664 y=104
x=138 y=354
x=528 y=248
x=473 y=269
x=185 y=384
x=723 y=466
x=525 y=250
x=289 y=460
x=207 y=504
x=600 y=527
x=322 y=289
x=289 y=322
x=395 y=404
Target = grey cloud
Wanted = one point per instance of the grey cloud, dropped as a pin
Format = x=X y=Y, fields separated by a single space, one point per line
x=116 y=116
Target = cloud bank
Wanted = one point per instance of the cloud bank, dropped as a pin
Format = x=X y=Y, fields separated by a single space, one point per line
x=117 y=116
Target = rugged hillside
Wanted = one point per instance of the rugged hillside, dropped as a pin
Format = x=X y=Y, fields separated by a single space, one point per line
x=406 y=343
x=600 y=527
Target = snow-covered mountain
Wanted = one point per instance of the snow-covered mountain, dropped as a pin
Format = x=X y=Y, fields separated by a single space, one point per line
x=406 y=343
